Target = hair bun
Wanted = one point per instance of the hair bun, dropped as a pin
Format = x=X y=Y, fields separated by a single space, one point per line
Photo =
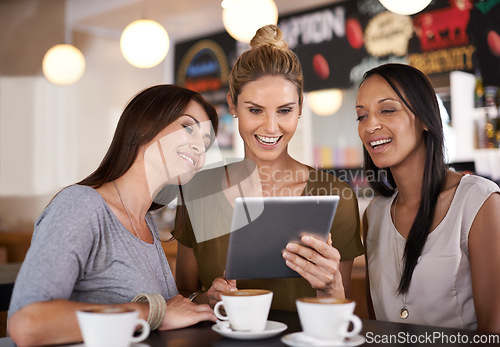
x=269 y=35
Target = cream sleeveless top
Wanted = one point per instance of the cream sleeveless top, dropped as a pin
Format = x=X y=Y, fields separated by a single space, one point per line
x=440 y=292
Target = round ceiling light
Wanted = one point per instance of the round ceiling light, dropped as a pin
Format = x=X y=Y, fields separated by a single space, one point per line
x=144 y=43
x=242 y=18
x=405 y=7
x=63 y=64
x=325 y=102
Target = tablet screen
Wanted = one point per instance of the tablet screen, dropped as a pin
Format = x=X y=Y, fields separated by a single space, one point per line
x=261 y=228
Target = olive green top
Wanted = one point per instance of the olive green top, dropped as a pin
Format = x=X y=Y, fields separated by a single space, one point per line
x=213 y=217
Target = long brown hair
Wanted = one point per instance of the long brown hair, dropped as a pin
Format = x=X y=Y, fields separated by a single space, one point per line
x=146 y=115
x=422 y=102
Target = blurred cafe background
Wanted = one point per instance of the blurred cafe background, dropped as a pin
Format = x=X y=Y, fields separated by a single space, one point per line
x=68 y=67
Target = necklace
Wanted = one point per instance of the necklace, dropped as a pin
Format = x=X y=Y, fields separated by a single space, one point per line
x=135 y=230
x=403 y=313
x=130 y=219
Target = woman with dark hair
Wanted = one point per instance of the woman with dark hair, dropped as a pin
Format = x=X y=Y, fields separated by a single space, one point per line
x=96 y=242
x=432 y=238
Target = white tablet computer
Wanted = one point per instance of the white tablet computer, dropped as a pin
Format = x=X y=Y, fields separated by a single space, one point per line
x=262 y=227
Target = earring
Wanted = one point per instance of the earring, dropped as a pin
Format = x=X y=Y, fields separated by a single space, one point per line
x=235 y=116
x=300 y=116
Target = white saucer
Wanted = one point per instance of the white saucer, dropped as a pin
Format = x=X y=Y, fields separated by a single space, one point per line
x=272 y=328
x=301 y=340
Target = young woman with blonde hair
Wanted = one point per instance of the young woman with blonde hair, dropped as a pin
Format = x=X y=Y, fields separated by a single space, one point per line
x=266 y=96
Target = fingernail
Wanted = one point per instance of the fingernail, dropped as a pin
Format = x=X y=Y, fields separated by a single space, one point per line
x=306 y=238
x=290 y=247
x=234 y=289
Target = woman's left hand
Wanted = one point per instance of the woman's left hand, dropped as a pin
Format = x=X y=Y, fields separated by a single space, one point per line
x=318 y=262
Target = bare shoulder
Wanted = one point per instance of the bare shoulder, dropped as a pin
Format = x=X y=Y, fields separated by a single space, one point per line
x=486 y=224
x=492 y=205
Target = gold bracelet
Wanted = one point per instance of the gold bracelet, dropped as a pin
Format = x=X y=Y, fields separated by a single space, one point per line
x=157 y=308
x=195 y=294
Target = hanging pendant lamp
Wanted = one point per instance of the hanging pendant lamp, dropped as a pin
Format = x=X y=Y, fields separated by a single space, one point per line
x=242 y=18
x=63 y=64
x=144 y=43
x=405 y=7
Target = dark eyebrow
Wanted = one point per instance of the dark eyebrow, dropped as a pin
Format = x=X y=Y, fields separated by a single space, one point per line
x=257 y=105
x=252 y=103
x=387 y=99
x=194 y=119
x=380 y=101
x=207 y=135
x=288 y=104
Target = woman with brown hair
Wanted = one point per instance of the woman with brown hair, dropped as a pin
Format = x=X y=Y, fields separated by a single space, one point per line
x=96 y=242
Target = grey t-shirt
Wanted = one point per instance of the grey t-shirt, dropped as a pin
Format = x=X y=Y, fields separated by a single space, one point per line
x=81 y=252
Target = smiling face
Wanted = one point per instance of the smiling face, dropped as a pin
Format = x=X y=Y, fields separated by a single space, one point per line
x=389 y=130
x=178 y=151
x=268 y=111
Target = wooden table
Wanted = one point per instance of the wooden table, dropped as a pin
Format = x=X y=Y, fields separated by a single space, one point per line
x=377 y=333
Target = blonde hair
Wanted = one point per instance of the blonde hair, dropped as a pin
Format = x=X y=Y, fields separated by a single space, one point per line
x=269 y=55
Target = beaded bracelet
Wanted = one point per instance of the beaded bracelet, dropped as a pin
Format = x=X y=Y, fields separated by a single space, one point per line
x=195 y=294
x=157 y=308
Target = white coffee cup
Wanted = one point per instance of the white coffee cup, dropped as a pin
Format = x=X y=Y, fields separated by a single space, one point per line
x=247 y=309
x=328 y=318
x=110 y=326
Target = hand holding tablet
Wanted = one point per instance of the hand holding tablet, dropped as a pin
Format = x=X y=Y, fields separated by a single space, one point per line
x=262 y=228
x=319 y=263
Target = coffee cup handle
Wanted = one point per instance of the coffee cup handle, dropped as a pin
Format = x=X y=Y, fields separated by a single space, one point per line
x=144 y=333
x=217 y=312
x=357 y=325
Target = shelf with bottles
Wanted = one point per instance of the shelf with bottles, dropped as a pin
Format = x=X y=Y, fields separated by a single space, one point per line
x=485 y=96
x=487 y=127
x=486 y=115
x=486 y=111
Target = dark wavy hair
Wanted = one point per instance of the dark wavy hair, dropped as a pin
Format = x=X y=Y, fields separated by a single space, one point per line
x=145 y=116
x=417 y=93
